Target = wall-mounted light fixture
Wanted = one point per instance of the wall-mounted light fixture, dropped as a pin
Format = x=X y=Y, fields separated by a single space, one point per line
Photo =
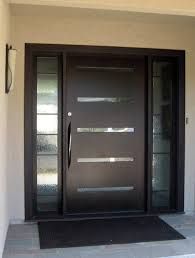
x=10 y=68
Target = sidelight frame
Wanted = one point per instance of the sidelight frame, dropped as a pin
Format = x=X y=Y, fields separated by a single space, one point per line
x=174 y=148
x=61 y=51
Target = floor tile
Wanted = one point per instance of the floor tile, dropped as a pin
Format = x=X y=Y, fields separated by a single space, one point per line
x=23 y=242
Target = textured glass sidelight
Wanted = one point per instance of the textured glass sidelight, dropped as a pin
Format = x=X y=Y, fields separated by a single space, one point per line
x=47 y=134
x=162 y=133
x=106 y=130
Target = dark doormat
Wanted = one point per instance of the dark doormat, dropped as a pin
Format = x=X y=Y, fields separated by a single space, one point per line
x=61 y=234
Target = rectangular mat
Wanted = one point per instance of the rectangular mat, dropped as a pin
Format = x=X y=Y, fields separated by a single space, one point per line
x=60 y=234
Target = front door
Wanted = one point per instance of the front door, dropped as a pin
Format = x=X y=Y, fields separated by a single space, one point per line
x=105 y=134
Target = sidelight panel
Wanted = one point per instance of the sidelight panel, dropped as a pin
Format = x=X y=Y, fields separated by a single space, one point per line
x=47 y=135
x=163 y=135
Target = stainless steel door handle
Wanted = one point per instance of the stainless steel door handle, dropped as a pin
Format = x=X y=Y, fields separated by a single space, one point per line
x=69 y=144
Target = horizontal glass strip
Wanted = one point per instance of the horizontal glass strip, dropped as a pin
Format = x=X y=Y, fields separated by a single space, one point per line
x=45 y=73
x=105 y=189
x=112 y=100
x=126 y=159
x=106 y=130
x=107 y=68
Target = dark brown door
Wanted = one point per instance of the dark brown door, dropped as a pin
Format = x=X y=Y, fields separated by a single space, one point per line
x=105 y=131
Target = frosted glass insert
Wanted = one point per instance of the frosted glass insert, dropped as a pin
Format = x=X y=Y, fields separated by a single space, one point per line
x=161 y=171
x=157 y=124
x=47 y=124
x=107 y=68
x=125 y=159
x=106 y=130
x=47 y=170
x=47 y=144
x=105 y=189
x=113 y=100
x=47 y=93
x=161 y=144
x=47 y=183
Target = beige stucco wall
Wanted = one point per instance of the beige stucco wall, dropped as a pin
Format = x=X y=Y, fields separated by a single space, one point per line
x=4 y=213
x=147 y=32
x=180 y=7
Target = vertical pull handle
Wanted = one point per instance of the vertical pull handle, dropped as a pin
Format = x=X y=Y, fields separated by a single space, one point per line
x=69 y=144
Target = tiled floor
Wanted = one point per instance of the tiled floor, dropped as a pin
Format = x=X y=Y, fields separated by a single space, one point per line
x=23 y=242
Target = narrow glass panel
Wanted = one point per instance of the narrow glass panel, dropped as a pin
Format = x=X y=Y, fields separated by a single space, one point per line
x=47 y=93
x=47 y=124
x=113 y=100
x=105 y=130
x=162 y=136
x=105 y=189
x=126 y=159
x=107 y=68
x=47 y=134
x=47 y=144
x=47 y=182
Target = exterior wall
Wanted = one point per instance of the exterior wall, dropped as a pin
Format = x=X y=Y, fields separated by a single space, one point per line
x=96 y=30
x=186 y=7
x=4 y=212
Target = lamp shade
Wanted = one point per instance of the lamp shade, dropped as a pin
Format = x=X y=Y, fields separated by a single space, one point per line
x=10 y=68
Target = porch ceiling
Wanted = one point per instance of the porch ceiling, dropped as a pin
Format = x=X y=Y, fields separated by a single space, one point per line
x=174 y=7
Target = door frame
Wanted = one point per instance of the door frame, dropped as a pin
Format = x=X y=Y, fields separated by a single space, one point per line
x=32 y=50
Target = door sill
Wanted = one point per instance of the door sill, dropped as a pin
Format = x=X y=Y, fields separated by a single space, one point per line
x=110 y=215
x=86 y=216
x=103 y=215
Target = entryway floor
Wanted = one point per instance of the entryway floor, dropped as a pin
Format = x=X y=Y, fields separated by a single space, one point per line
x=23 y=242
